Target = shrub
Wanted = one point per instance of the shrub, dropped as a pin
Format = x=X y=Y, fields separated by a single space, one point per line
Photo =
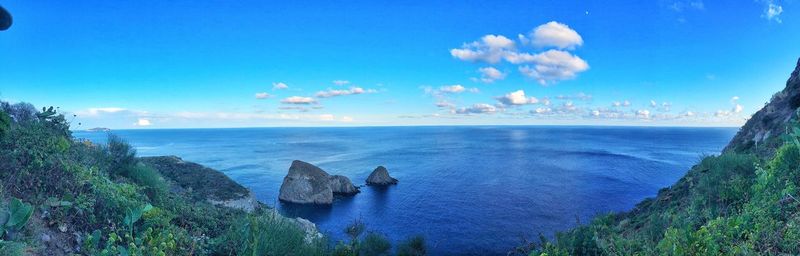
x=120 y=154
x=413 y=246
x=268 y=234
x=374 y=244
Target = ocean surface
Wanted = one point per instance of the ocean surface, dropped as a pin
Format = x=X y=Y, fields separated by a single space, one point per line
x=467 y=189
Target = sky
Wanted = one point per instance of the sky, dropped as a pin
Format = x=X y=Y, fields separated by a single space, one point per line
x=205 y=64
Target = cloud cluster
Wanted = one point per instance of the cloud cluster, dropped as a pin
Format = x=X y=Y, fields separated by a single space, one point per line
x=517 y=98
x=481 y=108
x=335 y=93
x=299 y=100
x=554 y=34
x=772 y=10
x=341 y=82
x=490 y=74
x=262 y=95
x=549 y=66
x=279 y=86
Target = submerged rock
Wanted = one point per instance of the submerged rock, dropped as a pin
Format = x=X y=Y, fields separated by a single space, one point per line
x=308 y=184
x=380 y=176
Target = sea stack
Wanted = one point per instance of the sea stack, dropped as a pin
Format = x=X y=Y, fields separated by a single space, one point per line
x=308 y=184
x=380 y=177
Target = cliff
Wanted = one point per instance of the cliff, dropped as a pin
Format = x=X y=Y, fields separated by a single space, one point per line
x=761 y=133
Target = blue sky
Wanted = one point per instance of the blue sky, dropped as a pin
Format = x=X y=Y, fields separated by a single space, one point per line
x=174 y=64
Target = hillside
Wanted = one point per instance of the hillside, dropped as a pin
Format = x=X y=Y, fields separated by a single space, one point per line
x=742 y=202
x=63 y=196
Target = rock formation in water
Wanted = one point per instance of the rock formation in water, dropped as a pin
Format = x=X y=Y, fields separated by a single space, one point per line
x=308 y=184
x=761 y=132
x=380 y=177
x=342 y=185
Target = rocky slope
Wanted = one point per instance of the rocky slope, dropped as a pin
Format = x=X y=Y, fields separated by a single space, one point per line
x=202 y=183
x=761 y=132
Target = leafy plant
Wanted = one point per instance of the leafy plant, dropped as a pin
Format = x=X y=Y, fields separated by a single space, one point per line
x=14 y=218
x=133 y=215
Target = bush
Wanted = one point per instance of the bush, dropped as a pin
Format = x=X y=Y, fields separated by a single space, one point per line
x=374 y=244
x=413 y=246
x=120 y=154
x=268 y=234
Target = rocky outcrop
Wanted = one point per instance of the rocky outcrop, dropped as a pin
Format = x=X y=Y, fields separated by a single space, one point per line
x=202 y=183
x=761 y=132
x=342 y=185
x=308 y=184
x=380 y=177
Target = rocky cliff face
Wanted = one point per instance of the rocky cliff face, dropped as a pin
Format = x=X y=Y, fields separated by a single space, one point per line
x=761 y=134
x=202 y=183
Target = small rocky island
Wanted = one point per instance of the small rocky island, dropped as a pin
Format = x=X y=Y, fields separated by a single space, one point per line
x=308 y=184
x=380 y=177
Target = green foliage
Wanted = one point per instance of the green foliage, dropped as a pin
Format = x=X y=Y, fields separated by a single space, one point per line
x=268 y=234
x=10 y=248
x=5 y=123
x=733 y=204
x=374 y=244
x=14 y=217
x=120 y=154
x=119 y=206
x=413 y=246
x=134 y=215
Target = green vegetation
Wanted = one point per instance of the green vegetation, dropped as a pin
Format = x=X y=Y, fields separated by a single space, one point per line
x=733 y=204
x=61 y=196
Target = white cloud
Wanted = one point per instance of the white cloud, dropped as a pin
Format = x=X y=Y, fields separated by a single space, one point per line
x=541 y=110
x=262 y=95
x=547 y=67
x=481 y=108
x=679 y=6
x=643 y=113
x=299 y=100
x=347 y=119
x=352 y=91
x=96 y=111
x=653 y=103
x=555 y=34
x=554 y=65
x=772 y=10
x=444 y=104
x=143 y=122
x=279 y=86
x=517 y=98
x=626 y=103
x=490 y=74
x=737 y=108
x=491 y=49
x=326 y=117
x=457 y=88
x=341 y=82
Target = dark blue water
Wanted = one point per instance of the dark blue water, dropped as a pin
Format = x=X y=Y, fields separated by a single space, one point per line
x=472 y=189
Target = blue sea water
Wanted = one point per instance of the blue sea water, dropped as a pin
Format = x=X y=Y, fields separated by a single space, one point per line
x=467 y=189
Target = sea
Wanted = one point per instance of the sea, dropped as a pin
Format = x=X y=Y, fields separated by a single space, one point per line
x=479 y=190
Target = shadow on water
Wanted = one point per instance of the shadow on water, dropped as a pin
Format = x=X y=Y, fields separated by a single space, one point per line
x=314 y=213
x=380 y=195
